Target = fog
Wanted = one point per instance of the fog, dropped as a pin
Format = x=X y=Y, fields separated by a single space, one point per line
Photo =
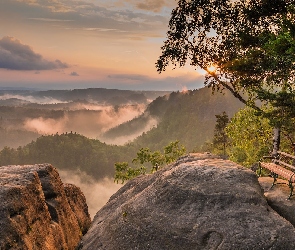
x=32 y=99
x=45 y=126
x=121 y=140
x=97 y=193
x=91 y=123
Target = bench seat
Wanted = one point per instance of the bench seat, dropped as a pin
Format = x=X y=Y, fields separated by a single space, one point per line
x=279 y=170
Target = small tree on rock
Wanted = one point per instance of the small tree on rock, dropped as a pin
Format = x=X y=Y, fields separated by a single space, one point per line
x=146 y=159
x=220 y=139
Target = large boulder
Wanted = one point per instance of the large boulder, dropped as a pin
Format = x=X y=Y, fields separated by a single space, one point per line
x=200 y=202
x=35 y=212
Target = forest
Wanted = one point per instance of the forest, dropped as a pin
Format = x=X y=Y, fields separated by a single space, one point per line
x=185 y=116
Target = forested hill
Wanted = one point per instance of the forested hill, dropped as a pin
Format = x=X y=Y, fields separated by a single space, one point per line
x=188 y=117
x=70 y=151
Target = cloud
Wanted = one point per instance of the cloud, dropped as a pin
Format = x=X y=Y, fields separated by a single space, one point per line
x=127 y=17
x=99 y=29
x=52 y=5
x=151 y=5
x=189 y=80
x=74 y=74
x=129 y=77
x=17 y=56
x=49 y=19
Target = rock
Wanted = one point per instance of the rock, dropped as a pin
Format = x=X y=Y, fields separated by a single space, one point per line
x=200 y=202
x=79 y=206
x=277 y=197
x=35 y=212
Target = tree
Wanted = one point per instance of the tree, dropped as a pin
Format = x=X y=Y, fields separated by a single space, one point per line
x=220 y=139
x=250 y=137
x=123 y=172
x=245 y=46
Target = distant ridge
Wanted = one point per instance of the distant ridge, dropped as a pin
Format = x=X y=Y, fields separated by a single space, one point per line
x=100 y=95
x=185 y=116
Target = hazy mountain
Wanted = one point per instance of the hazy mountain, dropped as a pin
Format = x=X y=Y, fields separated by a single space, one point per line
x=27 y=114
x=94 y=95
x=188 y=117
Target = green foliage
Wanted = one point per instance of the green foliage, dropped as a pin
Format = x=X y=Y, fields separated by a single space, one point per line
x=220 y=139
x=187 y=117
x=250 y=135
x=250 y=42
x=173 y=151
x=145 y=156
x=125 y=173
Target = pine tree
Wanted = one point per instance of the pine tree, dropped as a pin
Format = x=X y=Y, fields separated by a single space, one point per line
x=220 y=140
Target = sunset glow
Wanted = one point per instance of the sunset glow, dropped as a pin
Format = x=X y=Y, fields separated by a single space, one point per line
x=212 y=68
x=77 y=44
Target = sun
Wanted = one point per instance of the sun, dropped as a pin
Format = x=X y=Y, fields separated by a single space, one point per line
x=212 y=68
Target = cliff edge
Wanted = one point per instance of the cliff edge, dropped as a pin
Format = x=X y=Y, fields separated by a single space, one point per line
x=199 y=202
x=38 y=211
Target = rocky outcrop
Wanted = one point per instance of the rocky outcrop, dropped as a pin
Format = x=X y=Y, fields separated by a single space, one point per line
x=200 y=202
x=37 y=211
x=79 y=206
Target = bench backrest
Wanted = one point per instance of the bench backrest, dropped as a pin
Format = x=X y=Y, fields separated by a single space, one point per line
x=285 y=159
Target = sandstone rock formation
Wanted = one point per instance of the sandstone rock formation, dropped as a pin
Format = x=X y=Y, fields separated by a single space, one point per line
x=37 y=212
x=200 y=202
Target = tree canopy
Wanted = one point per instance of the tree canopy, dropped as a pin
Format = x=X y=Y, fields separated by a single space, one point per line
x=245 y=46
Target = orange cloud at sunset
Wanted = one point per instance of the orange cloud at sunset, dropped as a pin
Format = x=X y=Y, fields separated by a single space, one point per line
x=97 y=43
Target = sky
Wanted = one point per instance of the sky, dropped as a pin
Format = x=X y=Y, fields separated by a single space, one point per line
x=67 y=44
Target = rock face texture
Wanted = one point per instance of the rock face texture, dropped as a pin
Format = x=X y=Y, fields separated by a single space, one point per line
x=37 y=211
x=200 y=202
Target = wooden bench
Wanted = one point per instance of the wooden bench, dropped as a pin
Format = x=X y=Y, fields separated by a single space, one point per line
x=280 y=165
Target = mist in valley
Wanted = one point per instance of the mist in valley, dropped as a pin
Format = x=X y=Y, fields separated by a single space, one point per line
x=26 y=117
x=97 y=193
x=30 y=115
x=88 y=122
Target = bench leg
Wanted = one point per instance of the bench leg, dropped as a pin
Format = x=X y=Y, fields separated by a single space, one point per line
x=260 y=169
x=275 y=176
x=291 y=189
x=291 y=186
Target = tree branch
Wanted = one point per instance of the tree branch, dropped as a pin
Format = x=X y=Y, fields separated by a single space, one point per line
x=234 y=93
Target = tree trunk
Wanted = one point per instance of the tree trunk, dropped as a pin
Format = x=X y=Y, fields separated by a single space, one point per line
x=276 y=141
